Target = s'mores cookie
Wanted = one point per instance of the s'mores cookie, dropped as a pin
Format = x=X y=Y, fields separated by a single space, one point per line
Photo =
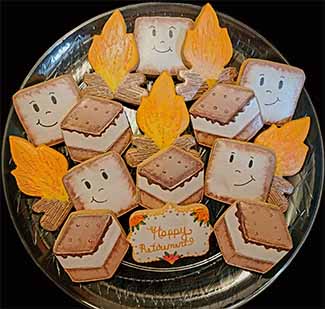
x=159 y=40
x=225 y=110
x=102 y=182
x=42 y=107
x=277 y=87
x=91 y=245
x=171 y=175
x=95 y=125
x=253 y=236
x=238 y=170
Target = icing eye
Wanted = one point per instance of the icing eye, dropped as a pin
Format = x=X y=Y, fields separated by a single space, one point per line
x=104 y=174
x=36 y=108
x=262 y=81
x=53 y=99
x=171 y=34
x=154 y=32
x=250 y=163
x=87 y=184
x=280 y=86
x=231 y=158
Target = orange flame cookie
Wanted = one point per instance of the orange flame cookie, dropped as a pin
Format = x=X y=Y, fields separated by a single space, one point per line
x=288 y=144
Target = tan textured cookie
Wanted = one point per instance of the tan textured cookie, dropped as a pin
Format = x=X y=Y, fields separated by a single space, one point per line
x=171 y=175
x=159 y=40
x=226 y=110
x=42 y=107
x=239 y=170
x=91 y=245
x=277 y=87
x=94 y=126
x=102 y=182
x=253 y=236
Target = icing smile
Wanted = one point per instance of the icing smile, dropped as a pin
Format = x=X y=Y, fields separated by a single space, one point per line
x=245 y=183
x=276 y=101
x=99 y=202
x=162 y=51
x=46 y=125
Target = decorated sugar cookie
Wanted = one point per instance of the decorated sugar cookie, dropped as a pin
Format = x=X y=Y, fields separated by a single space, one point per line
x=277 y=87
x=238 y=170
x=253 y=236
x=171 y=175
x=39 y=171
x=113 y=55
x=206 y=51
x=159 y=40
x=42 y=107
x=102 y=182
x=91 y=245
x=169 y=233
x=162 y=117
x=225 y=110
x=94 y=126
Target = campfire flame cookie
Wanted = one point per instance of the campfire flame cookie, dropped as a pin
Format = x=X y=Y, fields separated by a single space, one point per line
x=113 y=55
x=94 y=126
x=159 y=40
x=169 y=233
x=91 y=245
x=239 y=170
x=277 y=87
x=171 y=175
x=253 y=236
x=225 y=110
x=207 y=49
x=162 y=117
x=41 y=108
x=288 y=144
x=102 y=182
x=39 y=171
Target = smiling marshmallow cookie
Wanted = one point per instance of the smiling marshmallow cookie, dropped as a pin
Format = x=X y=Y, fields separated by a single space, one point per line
x=159 y=40
x=239 y=171
x=102 y=182
x=42 y=107
x=277 y=87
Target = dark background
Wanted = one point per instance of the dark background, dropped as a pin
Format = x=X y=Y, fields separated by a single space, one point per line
x=29 y=29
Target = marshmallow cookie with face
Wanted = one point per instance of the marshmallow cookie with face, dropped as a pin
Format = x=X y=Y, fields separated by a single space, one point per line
x=102 y=182
x=159 y=41
x=239 y=171
x=277 y=87
x=42 y=107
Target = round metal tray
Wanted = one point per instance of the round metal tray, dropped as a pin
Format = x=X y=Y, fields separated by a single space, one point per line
x=194 y=282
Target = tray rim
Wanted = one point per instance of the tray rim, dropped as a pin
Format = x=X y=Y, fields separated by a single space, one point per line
x=72 y=293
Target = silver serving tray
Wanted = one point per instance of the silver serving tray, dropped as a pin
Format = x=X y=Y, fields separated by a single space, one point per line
x=195 y=282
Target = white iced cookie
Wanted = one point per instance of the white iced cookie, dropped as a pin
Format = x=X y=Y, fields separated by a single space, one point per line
x=159 y=40
x=102 y=182
x=42 y=107
x=277 y=87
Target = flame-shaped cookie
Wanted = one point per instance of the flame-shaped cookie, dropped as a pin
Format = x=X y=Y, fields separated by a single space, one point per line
x=288 y=144
x=39 y=171
x=113 y=55
x=163 y=115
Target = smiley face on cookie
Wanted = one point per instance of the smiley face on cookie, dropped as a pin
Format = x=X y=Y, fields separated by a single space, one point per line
x=101 y=183
x=277 y=87
x=42 y=107
x=159 y=41
x=239 y=170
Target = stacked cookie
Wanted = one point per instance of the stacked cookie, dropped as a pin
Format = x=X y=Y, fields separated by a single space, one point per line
x=112 y=170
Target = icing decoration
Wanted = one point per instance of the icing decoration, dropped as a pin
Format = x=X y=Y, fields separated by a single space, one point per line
x=163 y=115
x=39 y=173
x=207 y=47
x=288 y=144
x=169 y=233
